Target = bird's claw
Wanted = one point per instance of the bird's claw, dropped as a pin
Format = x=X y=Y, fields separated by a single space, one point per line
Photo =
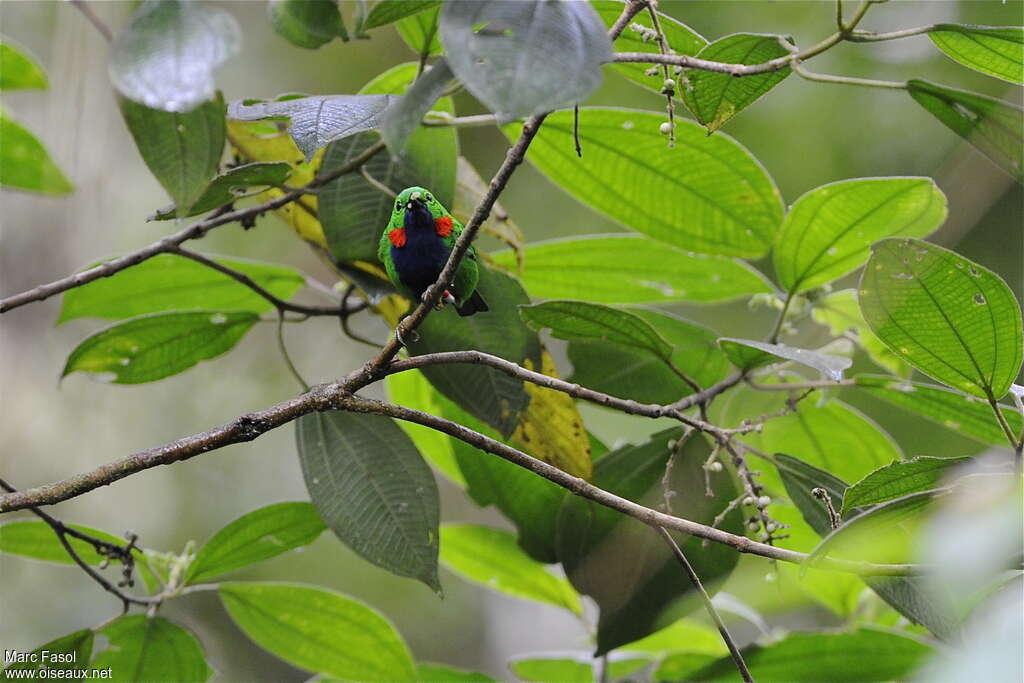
x=446 y=298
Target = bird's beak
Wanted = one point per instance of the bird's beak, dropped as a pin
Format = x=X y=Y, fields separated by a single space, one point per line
x=416 y=201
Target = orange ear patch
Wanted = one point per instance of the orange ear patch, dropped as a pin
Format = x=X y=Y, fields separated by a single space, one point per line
x=443 y=226
x=397 y=237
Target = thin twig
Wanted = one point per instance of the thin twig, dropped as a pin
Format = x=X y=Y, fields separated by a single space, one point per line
x=847 y=80
x=285 y=355
x=83 y=7
x=378 y=185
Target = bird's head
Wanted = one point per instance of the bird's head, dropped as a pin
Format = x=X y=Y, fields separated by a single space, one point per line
x=418 y=208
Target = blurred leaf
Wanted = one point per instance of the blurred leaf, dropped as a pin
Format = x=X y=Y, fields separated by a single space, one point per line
x=800 y=478
x=412 y=390
x=994 y=50
x=951 y=409
x=714 y=98
x=949 y=317
x=24 y=162
x=229 y=186
x=563 y=670
x=840 y=311
x=597 y=447
x=442 y=673
x=622 y=563
x=747 y=354
x=861 y=656
x=470 y=189
x=403 y=117
x=680 y=37
x=307 y=23
x=151 y=649
x=164 y=59
x=679 y=666
x=993 y=126
x=422 y=31
x=76 y=647
x=182 y=151
x=256 y=536
x=629 y=268
x=680 y=636
x=318 y=120
x=632 y=373
x=373 y=489
x=490 y=557
x=35 y=539
x=524 y=58
x=168 y=282
x=19 y=70
x=158 y=345
x=707 y=194
x=898 y=479
x=828 y=232
x=386 y=12
x=319 y=630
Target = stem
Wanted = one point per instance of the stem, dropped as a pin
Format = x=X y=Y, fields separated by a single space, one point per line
x=1016 y=444
x=846 y=80
x=284 y=353
x=869 y=37
x=774 y=336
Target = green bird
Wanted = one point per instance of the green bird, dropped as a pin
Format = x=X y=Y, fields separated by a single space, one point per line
x=415 y=246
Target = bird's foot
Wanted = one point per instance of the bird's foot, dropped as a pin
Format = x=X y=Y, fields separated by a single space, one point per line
x=446 y=298
x=414 y=336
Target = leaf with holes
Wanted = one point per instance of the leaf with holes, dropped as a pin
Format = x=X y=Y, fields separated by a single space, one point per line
x=949 y=317
x=307 y=23
x=151 y=649
x=373 y=489
x=747 y=354
x=828 y=232
x=994 y=50
x=841 y=313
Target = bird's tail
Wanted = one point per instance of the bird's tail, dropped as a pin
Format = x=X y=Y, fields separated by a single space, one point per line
x=474 y=304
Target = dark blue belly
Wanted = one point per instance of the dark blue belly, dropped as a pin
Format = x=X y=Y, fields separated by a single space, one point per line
x=421 y=260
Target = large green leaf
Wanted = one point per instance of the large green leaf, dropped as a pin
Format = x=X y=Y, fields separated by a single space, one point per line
x=24 y=162
x=949 y=317
x=386 y=12
x=35 y=539
x=320 y=631
x=633 y=373
x=491 y=558
x=72 y=653
x=151 y=649
x=544 y=670
x=168 y=282
x=861 y=656
x=164 y=59
x=412 y=390
x=183 y=151
x=231 y=185
x=840 y=311
x=158 y=345
x=256 y=536
x=442 y=673
x=627 y=269
x=829 y=231
x=373 y=489
x=900 y=479
x=307 y=23
x=995 y=127
x=951 y=409
x=680 y=636
x=707 y=194
x=994 y=50
x=635 y=582
x=748 y=354
x=714 y=98
x=584 y=321
x=680 y=38
x=422 y=31
x=18 y=69
x=524 y=58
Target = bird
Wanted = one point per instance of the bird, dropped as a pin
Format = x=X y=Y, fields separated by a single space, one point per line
x=415 y=246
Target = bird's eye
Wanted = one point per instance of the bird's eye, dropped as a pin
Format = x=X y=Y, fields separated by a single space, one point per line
x=398 y=206
x=429 y=198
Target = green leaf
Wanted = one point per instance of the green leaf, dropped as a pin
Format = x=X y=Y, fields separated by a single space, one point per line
x=19 y=70
x=491 y=558
x=714 y=98
x=151 y=649
x=164 y=59
x=524 y=58
x=442 y=673
x=634 y=584
x=319 y=630
x=679 y=666
x=412 y=390
x=403 y=118
x=256 y=536
x=318 y=120
x=24 y=162
x=680 y=636
x=35 y=539
x=680 y=37
x=624 y=269
x=373 y=489
x=829 y=231
x=168 y=282
x=707 y=194
x=840 y=311
x=73 y=652
x=422 y=31
x=231 y=185
x=747 y=354
x=993 y=126
x=182 y=151
x=951 y=409
x=949 y=317
x=386 y=12
x=307 y=23
x=584 y=321
x=899 y=479
x=354 y=212
x=158 y=345
x=800 y=479
x=563 y=670
x=629 y=372
x=861 y=656
x=994 y=50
